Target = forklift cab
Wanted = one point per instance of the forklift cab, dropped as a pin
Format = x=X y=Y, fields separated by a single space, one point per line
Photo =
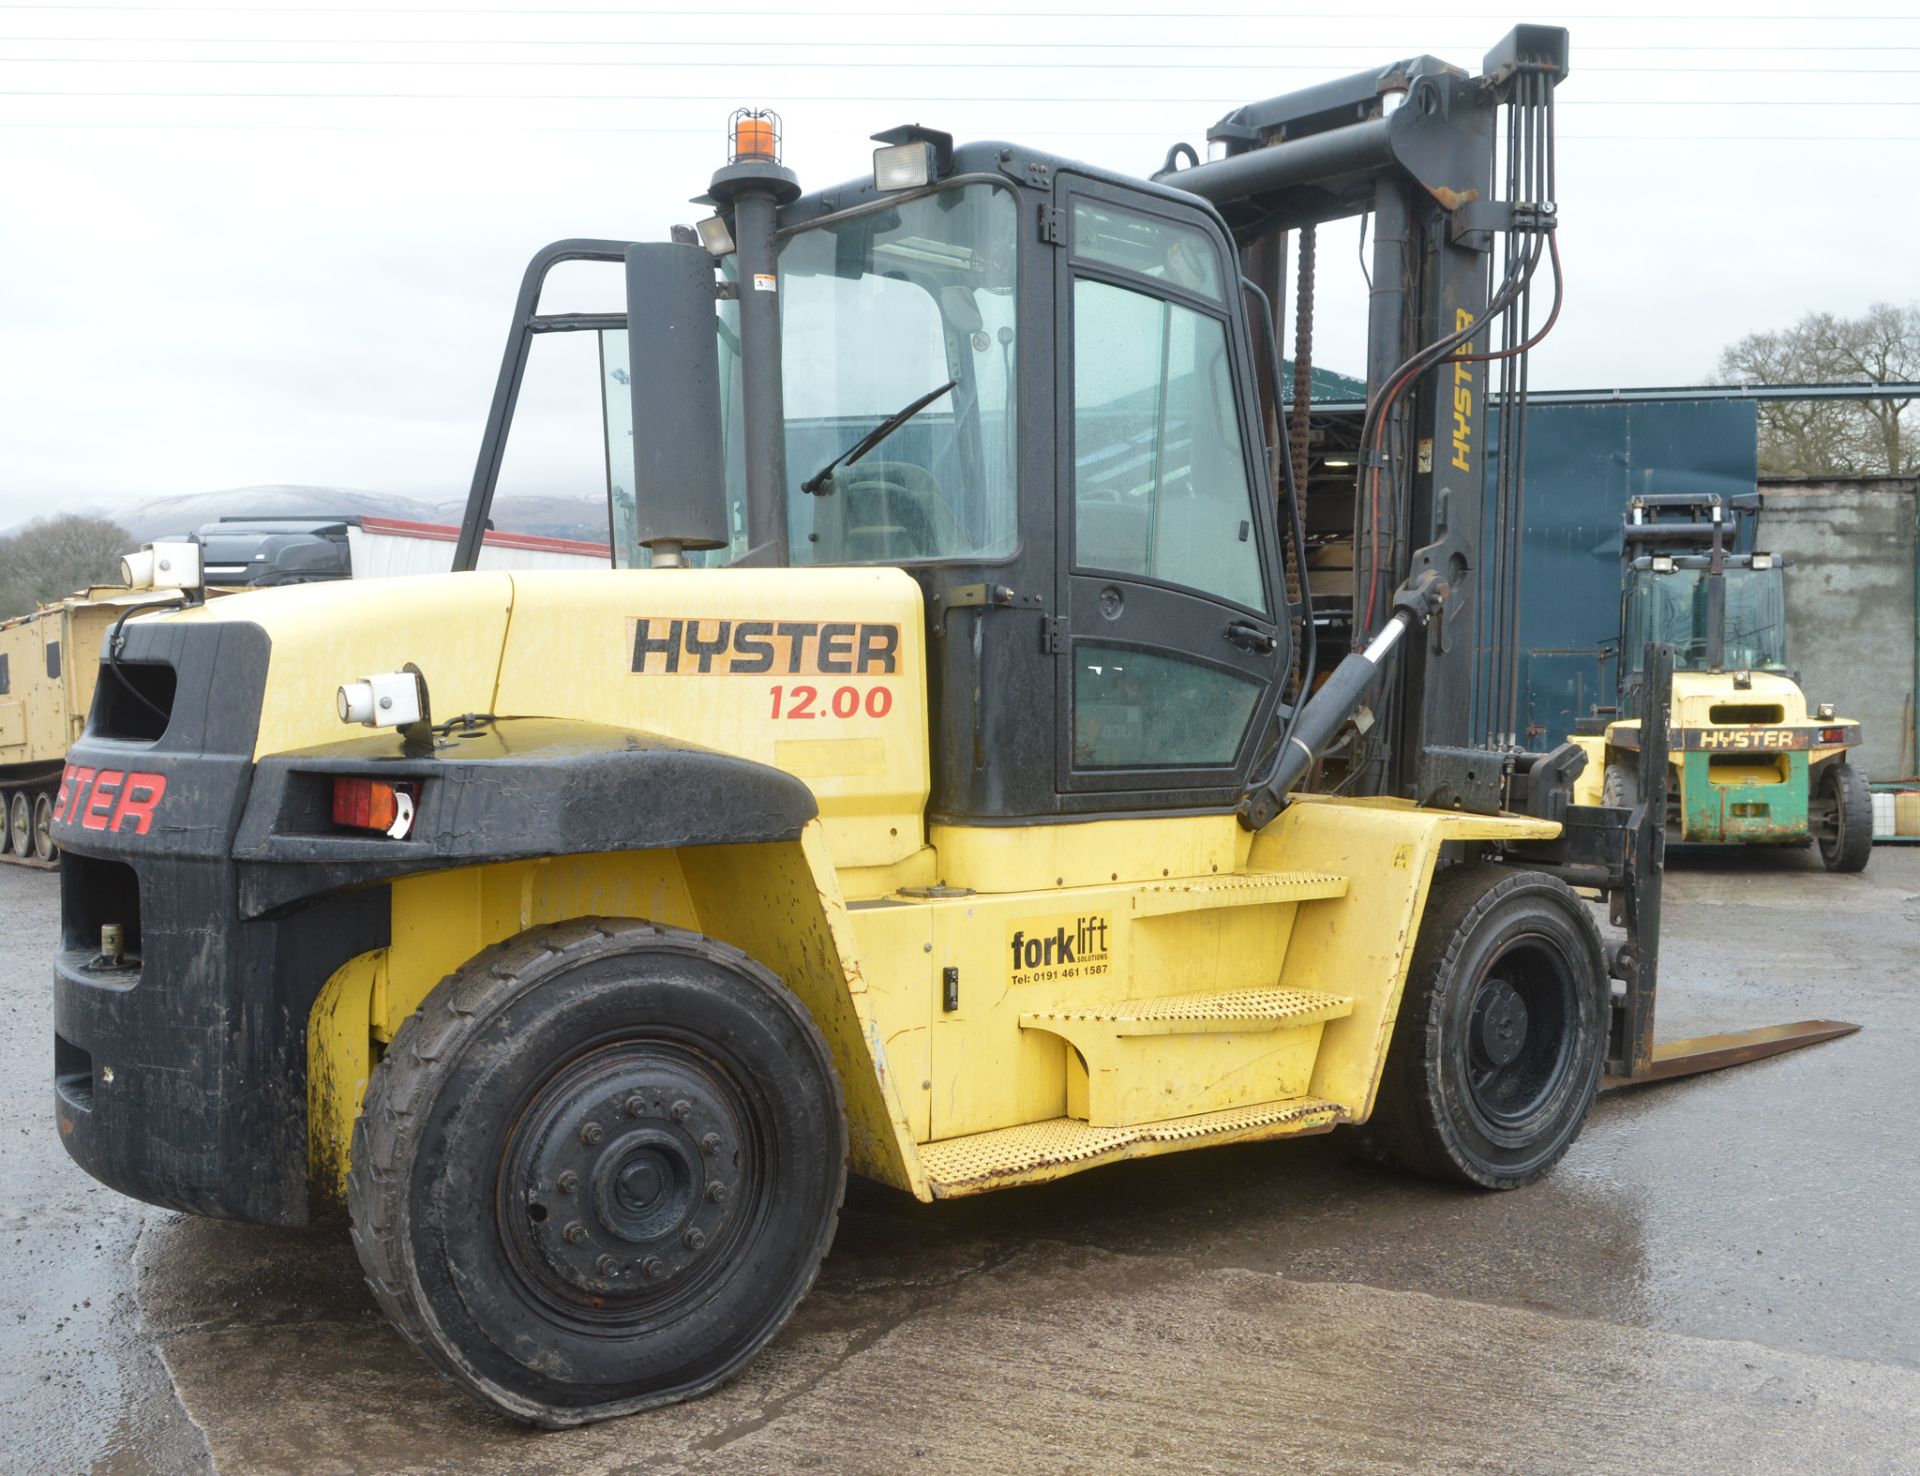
x=1032 y=387
x=1669 y=600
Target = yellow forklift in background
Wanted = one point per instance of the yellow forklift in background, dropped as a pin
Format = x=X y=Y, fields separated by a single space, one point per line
x=1749 y=761
x=930 y=788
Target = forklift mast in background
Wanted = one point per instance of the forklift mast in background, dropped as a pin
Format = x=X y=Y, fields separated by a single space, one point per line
x=1419 y=145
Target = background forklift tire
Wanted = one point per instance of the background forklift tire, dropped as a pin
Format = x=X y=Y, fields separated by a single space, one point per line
x=1497 y=1049
x=598 y=1168
x=1620 y=787
x=1850 y=842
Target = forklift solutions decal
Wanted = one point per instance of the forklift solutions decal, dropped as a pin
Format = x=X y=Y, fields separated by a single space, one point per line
x=1064 y=947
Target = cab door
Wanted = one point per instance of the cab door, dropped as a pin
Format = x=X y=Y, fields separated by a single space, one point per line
x=1171 y=634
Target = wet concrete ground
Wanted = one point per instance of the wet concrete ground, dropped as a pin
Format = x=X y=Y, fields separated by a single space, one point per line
x=1724 y=1275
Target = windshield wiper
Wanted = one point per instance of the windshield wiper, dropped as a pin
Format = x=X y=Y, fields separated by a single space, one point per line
x=873 y=438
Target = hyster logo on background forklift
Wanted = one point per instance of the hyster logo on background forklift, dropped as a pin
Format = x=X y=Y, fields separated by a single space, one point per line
x=1747 y=762
x=661 y=896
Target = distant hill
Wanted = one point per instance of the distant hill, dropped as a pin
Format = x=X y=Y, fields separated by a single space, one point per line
x=554 y=517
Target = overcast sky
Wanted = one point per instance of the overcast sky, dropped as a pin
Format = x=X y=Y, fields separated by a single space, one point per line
x=264 y=243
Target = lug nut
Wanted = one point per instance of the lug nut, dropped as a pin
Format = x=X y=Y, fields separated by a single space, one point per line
x=636 y=1105
x=716 y=1192
x=575 y=1233
x=591 y=1134
x=695 y=1239
x=710 y=1144
x=682 y=1110
x=607 y=1266
x=568 y=1181
x=654 y=1267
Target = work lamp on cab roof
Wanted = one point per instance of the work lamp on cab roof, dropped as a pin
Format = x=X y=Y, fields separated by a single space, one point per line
x=906 y=166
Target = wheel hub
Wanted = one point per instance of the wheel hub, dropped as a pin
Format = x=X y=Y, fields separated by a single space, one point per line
x=1499 y=1024
x=620 y=1177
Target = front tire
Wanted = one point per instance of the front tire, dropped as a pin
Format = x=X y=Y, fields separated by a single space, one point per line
x=598 y=1168
x=1620 y=786
x=1498 y=1046
x=1846 y=842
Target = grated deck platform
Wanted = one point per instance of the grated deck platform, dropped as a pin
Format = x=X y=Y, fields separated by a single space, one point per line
x=1199 y=1014
x=1061 y=1145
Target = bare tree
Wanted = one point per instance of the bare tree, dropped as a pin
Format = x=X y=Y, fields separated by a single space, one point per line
x=1834 y=437
x=54 y=556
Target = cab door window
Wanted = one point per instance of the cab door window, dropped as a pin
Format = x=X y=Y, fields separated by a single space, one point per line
x=1172 y=649
x=1159 y=478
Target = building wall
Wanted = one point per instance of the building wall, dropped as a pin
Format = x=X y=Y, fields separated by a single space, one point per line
x=1582 y=464
x=1851 y=550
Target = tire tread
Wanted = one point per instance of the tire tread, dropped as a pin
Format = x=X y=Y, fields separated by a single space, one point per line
x=386 y=1131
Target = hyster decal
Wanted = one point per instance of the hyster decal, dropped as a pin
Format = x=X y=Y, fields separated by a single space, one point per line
x=681 y=646
x=1076 y=947
x=1754 y=739
x=1463 y=398
x=105 y=799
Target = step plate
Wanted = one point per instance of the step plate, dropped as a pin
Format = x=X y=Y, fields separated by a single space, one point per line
x=1065 y=1145
x=1255 y=889
x=1198 y=1014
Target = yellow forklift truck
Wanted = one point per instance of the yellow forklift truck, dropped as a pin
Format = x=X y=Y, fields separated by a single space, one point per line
x=1749 y=761
x=925 y=791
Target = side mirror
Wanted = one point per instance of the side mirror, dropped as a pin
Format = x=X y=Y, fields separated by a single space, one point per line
x=673 y=364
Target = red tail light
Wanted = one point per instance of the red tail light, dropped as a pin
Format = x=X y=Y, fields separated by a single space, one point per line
x=371 y=804
x=1833 y=735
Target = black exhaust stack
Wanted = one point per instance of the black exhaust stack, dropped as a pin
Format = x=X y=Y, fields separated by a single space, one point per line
x=751 y=189
x=679 y=473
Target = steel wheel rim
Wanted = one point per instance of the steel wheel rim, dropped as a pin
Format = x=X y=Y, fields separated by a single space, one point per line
x=43 y=828
x=20 y=825
x=1517 y=1035
x=627 y=1180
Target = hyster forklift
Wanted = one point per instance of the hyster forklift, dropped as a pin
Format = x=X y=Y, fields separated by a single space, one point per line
x=1747 y=762
x=939 y=787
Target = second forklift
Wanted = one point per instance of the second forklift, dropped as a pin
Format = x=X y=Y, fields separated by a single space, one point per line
x=1750 y=762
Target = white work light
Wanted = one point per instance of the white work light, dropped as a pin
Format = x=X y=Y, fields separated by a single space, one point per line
x=390 y=700
x=1763 y=561
x=166 y=565
x=715 y=236
x=906 y=166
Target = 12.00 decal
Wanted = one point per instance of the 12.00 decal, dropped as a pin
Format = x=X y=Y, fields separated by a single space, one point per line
x=798 y=702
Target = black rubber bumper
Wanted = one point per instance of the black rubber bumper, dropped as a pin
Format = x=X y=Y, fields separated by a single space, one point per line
x=181 y=1080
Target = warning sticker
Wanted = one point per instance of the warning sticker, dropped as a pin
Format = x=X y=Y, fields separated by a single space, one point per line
x=1065 y=947
x=764 y=282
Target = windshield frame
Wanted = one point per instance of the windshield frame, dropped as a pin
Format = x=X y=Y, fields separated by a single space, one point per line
x=1637 y=621
x=1019 y=404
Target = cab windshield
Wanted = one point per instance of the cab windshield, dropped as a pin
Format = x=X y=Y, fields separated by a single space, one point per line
x=1672 y=608
x=879 y=307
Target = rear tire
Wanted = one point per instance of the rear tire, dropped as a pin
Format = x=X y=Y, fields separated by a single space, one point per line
x=1848 y=844
x=1498 y=1046
x=598 y=1168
